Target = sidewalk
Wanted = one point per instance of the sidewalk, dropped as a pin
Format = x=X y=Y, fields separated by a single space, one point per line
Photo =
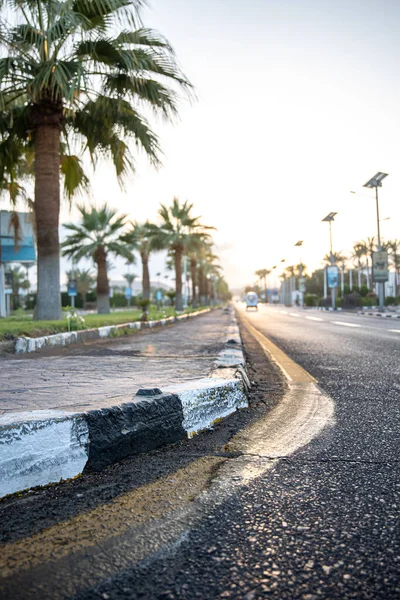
x=67 y=408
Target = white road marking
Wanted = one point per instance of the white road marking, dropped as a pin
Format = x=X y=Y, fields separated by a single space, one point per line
x=294 y=315
x=314 y=318
x=283 y=312
x=345 y=324
x=394 y=330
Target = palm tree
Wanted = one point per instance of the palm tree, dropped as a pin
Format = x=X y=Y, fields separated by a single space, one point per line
x=177 y=231
x=140 y=239
x=369 y=248
x=357 y=255
x=72 y=77
x=18 y=281
x=207 y=267
x=291 y=269
x=129 y=278
x=196 y=248
x=84 y=281
x=97 y=236
x=262 y=274
x=338 y=257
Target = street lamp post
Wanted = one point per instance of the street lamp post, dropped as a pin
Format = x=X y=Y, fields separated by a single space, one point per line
x=376 y=182
x=329 y=218
x=301 y=282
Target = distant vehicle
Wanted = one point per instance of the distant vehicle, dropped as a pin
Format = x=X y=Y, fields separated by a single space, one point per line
x=251 y=300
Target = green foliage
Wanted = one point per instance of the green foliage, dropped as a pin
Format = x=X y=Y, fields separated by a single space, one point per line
x=14 y=326
x=74 y=320
x=118 y=300
x=143 y=303
x=311 y=299
x=179 y=232
x=315 y=283
x=352 y=300
x=364 y=290
x=92 y=63
x=178 y=229
x=370 y=300
x=99 y=228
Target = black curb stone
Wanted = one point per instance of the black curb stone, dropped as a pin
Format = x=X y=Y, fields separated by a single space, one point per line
x=133 y=428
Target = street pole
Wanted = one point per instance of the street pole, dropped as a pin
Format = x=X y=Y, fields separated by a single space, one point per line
x=351 y=279
x=3 y=309
x=300 y=284
x=342 y=279
x=381 y=285
x=73 y=278
x=185 y=280
x=375 y=182
x=333 y=290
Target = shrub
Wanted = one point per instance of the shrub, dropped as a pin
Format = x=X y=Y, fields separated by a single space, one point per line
x=311 y=299
x=370 y=300
x=326 y=302
x=74 y=320
x=351 y=300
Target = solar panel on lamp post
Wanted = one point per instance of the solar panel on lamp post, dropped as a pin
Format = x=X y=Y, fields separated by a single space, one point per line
x=376 y=182
x=328 y=219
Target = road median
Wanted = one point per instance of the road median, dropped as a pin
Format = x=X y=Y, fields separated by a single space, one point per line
x=38 y=447
x=25 y=344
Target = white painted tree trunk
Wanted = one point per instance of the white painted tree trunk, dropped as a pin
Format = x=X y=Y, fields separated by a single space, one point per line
x=103 y=304
x=49 y=303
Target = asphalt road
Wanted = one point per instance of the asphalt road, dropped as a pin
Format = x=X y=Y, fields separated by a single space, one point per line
x=322 y=523
x=325 y=522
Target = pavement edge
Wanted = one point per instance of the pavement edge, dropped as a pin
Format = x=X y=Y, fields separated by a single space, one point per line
x=43 y=447
x=25 y=344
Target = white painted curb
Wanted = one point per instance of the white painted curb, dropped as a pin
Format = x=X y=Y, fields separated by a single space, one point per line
x=42 y=447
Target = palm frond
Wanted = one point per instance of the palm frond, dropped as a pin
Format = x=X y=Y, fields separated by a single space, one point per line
x=75 y=179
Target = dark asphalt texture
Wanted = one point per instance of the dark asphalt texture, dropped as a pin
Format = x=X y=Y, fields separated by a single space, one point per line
x=322 y=524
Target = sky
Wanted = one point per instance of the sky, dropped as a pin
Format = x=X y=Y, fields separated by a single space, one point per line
x=298 y=103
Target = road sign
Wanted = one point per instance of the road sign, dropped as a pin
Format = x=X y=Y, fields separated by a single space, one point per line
x=72 y=291
x=159 y=295
x=302 y=285
x=16 y=237
x=128 y=293
x=333 y=276
x=380 y=266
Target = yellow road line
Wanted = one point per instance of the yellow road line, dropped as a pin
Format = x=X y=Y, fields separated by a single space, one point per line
x=292 y=371
x=88 y=529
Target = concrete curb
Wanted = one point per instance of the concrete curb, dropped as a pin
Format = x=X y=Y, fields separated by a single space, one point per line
x=26 y=344
x=364 y=313
x=42 y=447
x=379 y=314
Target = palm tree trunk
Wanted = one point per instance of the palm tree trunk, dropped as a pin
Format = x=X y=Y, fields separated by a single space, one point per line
x=202 y=287
x=178 y=279
x=145 y=276
x=47 y=210
x=193 y=265
x=102 y=288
